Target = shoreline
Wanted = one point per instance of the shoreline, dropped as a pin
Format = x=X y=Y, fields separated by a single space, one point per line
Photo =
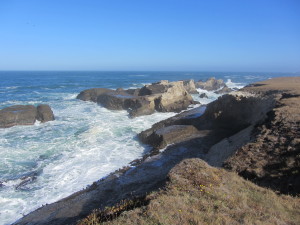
x=146 y=177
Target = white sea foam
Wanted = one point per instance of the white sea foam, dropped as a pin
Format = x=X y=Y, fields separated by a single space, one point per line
x=85 y=143
x=211 y=95
x=138 y=75
x=233 y=85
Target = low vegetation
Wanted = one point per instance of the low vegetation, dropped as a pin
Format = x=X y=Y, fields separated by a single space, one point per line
x=199 y=194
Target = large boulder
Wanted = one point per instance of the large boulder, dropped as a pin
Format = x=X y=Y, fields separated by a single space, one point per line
x=24 y=115
x=174 y=99
x=155 y=88
x=163 y=96
x=211 y=84
x=44 y=113
x=190 y=87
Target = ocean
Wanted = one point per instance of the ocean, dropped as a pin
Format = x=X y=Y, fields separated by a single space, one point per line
x=43 y=163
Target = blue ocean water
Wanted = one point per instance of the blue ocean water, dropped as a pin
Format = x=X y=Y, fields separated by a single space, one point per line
x=43 y=163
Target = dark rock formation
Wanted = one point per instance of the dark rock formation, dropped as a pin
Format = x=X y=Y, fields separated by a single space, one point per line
x=211 y=84
x=92 y=94
x=24 y=115
x=163 y=96
x=44 y=113
x=203 y=95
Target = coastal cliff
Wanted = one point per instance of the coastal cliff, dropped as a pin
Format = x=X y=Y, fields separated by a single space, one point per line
x=225 y=132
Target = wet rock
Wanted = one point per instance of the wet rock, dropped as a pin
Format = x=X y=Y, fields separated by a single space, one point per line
x=44 y=113
x=203 y=95
x=92 y=94
x=24 y=115
x=211 y=84
x=18 y=115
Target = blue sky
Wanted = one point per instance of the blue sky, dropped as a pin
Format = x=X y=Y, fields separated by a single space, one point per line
x=177 y=35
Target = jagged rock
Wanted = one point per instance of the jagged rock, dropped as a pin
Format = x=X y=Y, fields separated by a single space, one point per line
x=190 y=87
x=174 y=99
x=44 y=113
x=163 y=96
x=24 y=115
x=224 y=90
x=134 y=92
x=211 y=84
x=203 y=95
x=155 y=88
x=238 y=110
x=92 y=94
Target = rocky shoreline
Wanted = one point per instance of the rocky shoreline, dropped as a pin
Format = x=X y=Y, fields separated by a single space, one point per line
x=230 y=130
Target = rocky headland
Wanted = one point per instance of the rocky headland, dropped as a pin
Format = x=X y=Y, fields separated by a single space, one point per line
x=163 y=96
x=25 y=115
x=254 y=132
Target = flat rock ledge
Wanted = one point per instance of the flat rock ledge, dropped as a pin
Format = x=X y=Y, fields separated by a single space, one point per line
x=25 y=115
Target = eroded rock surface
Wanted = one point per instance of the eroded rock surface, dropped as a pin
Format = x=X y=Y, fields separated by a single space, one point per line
x=24 y=115
x=190 y=86
x=211 y=84
x=272 y=156
x=227 y=125
x=163 y=96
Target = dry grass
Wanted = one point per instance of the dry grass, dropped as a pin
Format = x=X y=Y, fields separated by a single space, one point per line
x=200 y=194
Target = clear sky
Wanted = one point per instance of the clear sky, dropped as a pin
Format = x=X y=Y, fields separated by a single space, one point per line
x=194 y=35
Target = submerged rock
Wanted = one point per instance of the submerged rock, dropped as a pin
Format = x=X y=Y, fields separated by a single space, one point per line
x=24 y=115
x=203 y=95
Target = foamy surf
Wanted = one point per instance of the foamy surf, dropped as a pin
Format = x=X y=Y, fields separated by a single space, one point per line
x=85 y=143
x=43 y=163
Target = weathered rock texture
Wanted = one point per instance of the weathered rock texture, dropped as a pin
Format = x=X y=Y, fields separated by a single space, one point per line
x=163 y=96
x=263 y=113
x=272 y=157
x=24 y=115
x=190 y=86
x=211 y=84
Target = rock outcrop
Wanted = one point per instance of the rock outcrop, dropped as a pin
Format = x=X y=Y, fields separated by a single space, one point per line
x=190 y=86
x=163 y=96
x=211 y=84
x=271 y=158
x=266 y=114
x=24 y=115
x=203 y=95
x=224 y=90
